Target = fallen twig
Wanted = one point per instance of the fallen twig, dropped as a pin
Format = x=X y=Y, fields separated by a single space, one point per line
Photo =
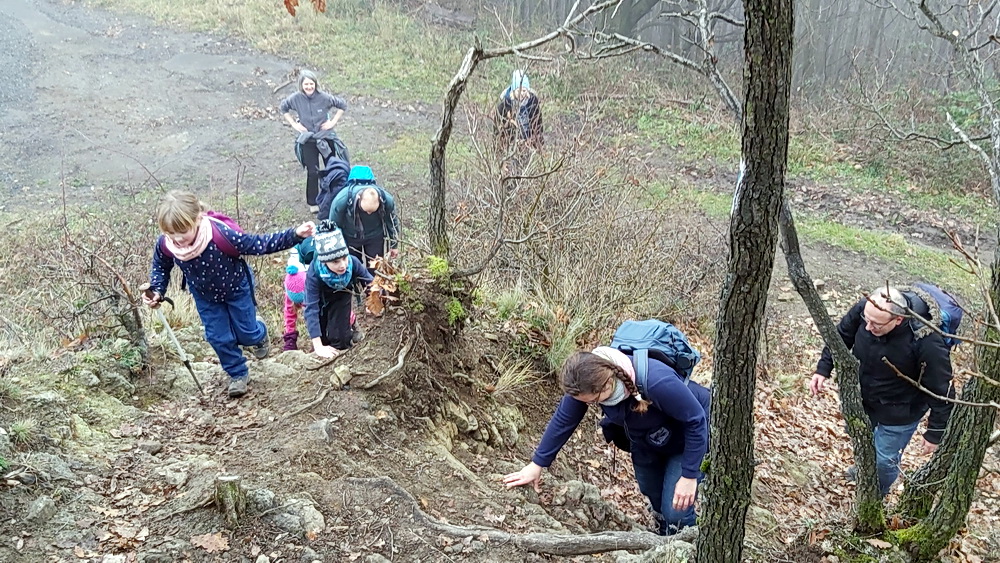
x=311 y=404
x=331 y=360
x=207 y=500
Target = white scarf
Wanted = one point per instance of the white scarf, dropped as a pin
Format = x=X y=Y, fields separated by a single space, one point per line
x=621 y=360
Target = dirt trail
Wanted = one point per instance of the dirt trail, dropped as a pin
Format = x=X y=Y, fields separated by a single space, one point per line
x=106 y=100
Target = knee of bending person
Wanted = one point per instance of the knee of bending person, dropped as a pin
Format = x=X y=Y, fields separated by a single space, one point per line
x=220 y=338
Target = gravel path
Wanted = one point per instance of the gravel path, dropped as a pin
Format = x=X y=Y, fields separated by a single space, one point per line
x=110 y=102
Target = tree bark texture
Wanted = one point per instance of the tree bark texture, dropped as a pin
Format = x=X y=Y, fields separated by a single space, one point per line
x=870 y=514
x=753 y=234
x=230 y=499
x=970 y=427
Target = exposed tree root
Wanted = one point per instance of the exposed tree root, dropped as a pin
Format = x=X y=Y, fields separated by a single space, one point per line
x=401 y=360
x=319 y=399
x=544 y=543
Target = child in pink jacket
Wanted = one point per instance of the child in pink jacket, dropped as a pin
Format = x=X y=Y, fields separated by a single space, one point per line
x=295 y=293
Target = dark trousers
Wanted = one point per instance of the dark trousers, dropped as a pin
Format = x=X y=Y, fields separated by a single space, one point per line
x=335 y=319
x=367 y=250
x=657 y=479
x=310 y=159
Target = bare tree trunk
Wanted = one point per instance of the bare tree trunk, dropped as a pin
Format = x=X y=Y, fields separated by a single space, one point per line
x=438 y=223
x=967 y=437
x=869 y=513
x=753 y=234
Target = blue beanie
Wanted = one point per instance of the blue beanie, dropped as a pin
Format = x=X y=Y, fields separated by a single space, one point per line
x=361 y=173
x=519 y=79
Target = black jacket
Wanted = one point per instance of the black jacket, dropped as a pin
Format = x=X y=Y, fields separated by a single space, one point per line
x=910 y=347
x=516 y=120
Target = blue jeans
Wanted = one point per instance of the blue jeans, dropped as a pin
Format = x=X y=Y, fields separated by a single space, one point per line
x=890 y=441
x=657 y=482
x=229 y=325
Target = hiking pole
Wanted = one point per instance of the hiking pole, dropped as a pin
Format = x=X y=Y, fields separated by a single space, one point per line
x=170 y=332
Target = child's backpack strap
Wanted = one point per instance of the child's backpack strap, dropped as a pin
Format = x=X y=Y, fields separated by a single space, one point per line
x=162 y=243
x=220 y=240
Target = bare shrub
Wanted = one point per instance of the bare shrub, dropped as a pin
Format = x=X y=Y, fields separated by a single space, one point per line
x=72 y=274
x=580 y=226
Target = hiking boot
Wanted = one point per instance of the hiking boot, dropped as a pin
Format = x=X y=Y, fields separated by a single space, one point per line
x=291 y=341
x=238 y=386
x=851 y=474
x=262 y=348
x=357 y=336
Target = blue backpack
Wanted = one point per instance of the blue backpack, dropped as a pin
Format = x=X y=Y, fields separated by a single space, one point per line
x=951 y=311
x=658 y=340
x=643 y=340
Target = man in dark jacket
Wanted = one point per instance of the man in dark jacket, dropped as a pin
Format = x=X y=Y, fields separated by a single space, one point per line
x=366 y=214
x=877 y=328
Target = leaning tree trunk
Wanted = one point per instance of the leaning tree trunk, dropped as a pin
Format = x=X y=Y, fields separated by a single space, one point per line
x=972 y=438
x=753 y=233
x=437 y=226
x=926 y=482
x=870 y=513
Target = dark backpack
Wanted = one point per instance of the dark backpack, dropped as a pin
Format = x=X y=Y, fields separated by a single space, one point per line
x=642 y=340
x=332 y=179
x=951 y=310
x=218 y=238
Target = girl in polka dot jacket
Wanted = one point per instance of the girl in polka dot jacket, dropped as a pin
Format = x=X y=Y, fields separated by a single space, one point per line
x=220 y=281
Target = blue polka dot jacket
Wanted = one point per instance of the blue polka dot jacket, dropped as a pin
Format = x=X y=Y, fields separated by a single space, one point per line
x=214 y=275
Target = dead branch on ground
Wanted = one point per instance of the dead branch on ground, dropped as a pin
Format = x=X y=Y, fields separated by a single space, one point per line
x=543 y=543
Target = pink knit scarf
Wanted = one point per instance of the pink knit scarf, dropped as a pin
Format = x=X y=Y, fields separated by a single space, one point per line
x=185 y=253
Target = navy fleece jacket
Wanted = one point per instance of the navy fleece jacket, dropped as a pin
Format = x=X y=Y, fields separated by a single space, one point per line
x=214 y=275
x=683 y=409
x=316 y=289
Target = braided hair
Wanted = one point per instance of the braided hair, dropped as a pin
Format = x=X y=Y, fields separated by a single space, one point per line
x=585 y=373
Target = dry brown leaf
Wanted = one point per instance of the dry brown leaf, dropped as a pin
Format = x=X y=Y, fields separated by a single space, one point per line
x=290 y=5
x=212 y=543
x=320 y=5
x=374 y=303
x=879 y=543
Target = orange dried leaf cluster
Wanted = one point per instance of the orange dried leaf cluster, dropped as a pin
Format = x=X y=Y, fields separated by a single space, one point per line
x=384 y=288
x=318 y=5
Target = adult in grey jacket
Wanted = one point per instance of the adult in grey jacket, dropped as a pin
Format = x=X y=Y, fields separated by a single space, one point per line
x=877 y=331
x=309 y=111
